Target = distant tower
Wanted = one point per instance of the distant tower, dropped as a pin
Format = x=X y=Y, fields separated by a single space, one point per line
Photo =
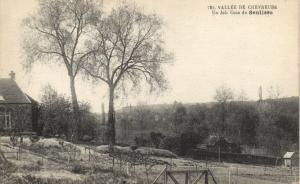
x=260 y=94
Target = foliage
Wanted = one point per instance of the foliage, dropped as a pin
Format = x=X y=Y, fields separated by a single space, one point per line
x=56 y=113
x=57 y=33
x=34 y=166
x=179 y=117
x=56 y=118
x=271 y=124
x=171 y=143
x=156 y=138
x=87 y=138
x=141 y=141
x=78 y=168
x=188 y=140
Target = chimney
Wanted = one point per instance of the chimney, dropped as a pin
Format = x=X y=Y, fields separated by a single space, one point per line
x=12 y=75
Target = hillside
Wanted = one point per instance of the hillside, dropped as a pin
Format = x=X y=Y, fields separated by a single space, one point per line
x=270 y=124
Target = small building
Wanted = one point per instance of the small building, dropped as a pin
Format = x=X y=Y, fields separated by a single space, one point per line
x=291 y=159
x=18 y=111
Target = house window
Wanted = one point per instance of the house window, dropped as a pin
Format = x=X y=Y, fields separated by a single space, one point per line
x=5 y=120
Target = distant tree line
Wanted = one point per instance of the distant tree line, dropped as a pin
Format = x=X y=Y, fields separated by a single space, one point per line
x=270 y=124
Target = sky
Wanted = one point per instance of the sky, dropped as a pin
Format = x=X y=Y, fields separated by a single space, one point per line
x=241 y=52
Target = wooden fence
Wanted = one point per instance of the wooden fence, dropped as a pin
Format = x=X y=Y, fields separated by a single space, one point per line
x=199 y=154
x=185 y=176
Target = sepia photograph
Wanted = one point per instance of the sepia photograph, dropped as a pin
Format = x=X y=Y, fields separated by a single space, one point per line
x=149 y=92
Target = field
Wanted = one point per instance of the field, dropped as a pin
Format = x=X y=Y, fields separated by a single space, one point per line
x=52 y=161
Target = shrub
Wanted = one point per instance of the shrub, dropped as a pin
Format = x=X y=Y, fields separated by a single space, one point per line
x=32 y=167
x=39 y=163
x=7 y=167
x=87 y=138
x=156 y=138
x=188 y=140
x=77 y=168
x=171 y=143
x=140 y=141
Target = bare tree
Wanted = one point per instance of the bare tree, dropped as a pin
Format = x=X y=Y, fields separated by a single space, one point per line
x=131 y=51
x=223 y=96
x=57 y=33
x=274 y=92
x=242 y=96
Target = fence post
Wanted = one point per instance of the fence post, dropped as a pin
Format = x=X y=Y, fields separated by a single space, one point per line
x=206 y=177
x=237 y=175
x=186 y=178
x=165 y=175
x=19 y=153
x=69 y=155
x=127 y=168
x=229 y=175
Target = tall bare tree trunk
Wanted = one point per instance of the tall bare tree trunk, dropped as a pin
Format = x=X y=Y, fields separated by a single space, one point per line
x=74 y=95
x=111 y=118
x=75 y=106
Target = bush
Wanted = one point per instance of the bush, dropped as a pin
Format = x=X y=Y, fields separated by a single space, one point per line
x=140 y=141
x=188 y=140
x=77 y=168
x=32 y=167
x=156 y=138
x=171 y=143
x=87 y=138
x=7 y=168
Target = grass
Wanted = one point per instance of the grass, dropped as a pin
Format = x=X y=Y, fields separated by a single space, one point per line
x=35 y=169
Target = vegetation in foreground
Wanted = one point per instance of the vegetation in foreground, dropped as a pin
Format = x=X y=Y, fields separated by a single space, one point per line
x=38 y=167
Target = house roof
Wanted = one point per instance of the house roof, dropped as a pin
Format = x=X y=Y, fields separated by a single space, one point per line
x=11 y=93
x=288 y=155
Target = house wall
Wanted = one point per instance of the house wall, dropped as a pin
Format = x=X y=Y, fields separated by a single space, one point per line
x=287 y=162
x=20 y=115
x=295 y=160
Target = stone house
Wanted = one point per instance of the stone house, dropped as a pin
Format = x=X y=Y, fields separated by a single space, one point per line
x=18 y=111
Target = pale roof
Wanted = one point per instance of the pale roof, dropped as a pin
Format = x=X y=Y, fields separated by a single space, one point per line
x=288 y=154
x=1 y=98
